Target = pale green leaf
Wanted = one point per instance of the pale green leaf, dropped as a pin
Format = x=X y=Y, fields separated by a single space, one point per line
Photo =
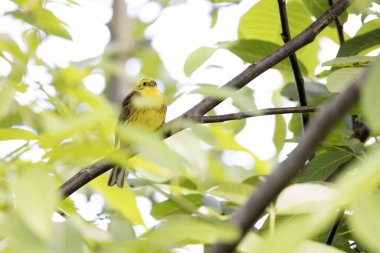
x=303 y=198
x=233 y=192
x=66 y=239
x=370 y=100
x=338 y=80
x=36 y=202
x=171 y=206
x=192 y=230
x=352 y=61
x=197 y=58
x=365 y=222
x=316 y=247
x=279 y=133
x=16 y=134
x=43 y=19
x=123 y=200
x=313 y=91
x=262 y=21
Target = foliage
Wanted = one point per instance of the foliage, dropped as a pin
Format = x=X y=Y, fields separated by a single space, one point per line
x=192 y=182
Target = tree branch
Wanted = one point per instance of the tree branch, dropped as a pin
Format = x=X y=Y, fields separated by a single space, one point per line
x=338 y=25
x=243 y=115
x=251 y=72
x=293 y=60
x=317 y=130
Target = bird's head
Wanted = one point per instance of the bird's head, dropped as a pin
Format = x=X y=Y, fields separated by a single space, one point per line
x=146 y=82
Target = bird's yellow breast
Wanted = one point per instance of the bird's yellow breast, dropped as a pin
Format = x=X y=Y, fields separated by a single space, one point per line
x=148 y=109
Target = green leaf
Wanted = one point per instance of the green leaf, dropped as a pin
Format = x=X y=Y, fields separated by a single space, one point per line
x=313 y=91
x=121 y=229
x=279 y=133
x=234 y=192
x=192 y=230
x=323 y=165
x=370 y=100
x=171 y=206
x=351 y=61
x=251 y=50
x=36 y=202
x=45 y=20
x=316 y=7
x=316 y=247
x=365 y=222
x=338 y=80
x=360 y=43
x=197 y=58
x=123 y=200
x=66 y=239
x=242 y=99
x=303 y=198
x=262 y=21
x=249 y=240
x=16 y=134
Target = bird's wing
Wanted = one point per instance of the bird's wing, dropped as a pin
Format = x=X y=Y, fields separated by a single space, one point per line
x=125 y=112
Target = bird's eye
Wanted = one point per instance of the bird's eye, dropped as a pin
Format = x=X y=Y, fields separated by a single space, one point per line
x=145 y=83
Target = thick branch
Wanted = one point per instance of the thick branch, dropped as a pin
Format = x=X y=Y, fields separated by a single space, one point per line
x=243 y=115
x=307 y=36
x=317 y=130
x=293 y=59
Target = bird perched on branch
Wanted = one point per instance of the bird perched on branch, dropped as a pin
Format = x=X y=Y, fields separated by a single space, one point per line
x=150 y=115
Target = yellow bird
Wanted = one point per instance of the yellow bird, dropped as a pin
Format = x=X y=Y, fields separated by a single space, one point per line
x=144 y=107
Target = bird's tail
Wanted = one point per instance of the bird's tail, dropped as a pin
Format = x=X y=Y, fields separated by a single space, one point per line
x=117 y=177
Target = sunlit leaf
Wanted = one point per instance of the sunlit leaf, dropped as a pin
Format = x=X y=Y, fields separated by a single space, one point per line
x=197 y=58
x=316 y=247
x=303 y=198
x=36 y=212
x=123 y=200
x=183 y=205
x=66 y=239
x=45 y=20
x=338 y=80
x=364 y=221
x=16 y=134
x=233 y=192
x=371 y=98
x=279 y=132
x=352 y=61
x=313 y=90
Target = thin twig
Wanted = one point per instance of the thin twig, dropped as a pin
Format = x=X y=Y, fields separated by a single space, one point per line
x=293 y=60
x=243 y=115
x=338 y=25
x=335 y=227
x=318 y=129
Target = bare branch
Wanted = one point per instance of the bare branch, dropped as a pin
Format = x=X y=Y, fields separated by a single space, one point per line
x=243 y=115
x=317 y=130
x=293 y=60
